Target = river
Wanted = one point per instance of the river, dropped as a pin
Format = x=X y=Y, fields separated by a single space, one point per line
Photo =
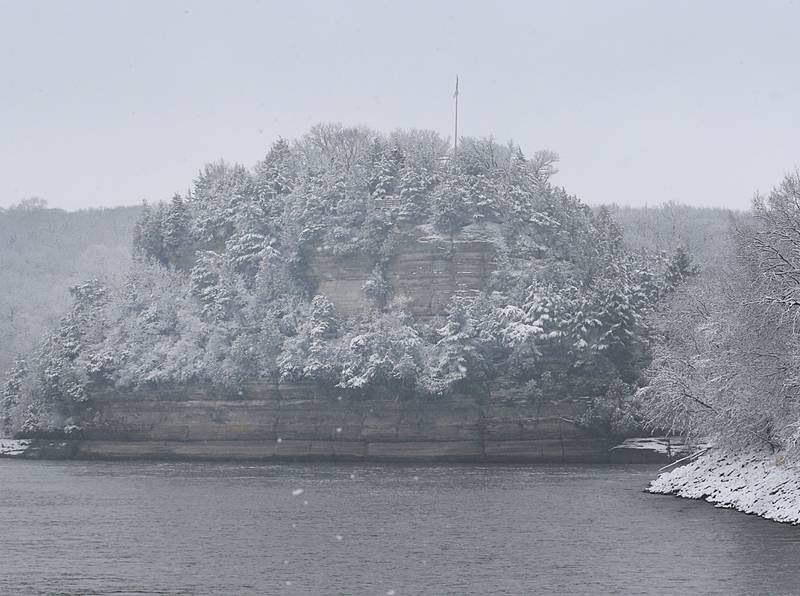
x=208 y=528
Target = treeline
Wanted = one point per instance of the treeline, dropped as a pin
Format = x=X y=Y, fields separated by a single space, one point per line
x=45 y=251
x=219 y=291
x=704 y=232
x=727 y=369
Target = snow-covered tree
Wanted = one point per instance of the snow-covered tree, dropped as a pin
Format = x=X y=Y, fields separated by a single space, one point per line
x=148 y=235
x=458 y=356
x=680 y=268
x=275 y=179
x=210 y=283
x=176 y=227
x=383 y=353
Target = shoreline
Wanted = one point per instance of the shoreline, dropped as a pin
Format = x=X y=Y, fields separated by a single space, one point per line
x=316 y=451
x=757 y=483
x=301 y=422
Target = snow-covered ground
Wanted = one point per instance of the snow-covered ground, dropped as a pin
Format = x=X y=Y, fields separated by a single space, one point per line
x=759 y=483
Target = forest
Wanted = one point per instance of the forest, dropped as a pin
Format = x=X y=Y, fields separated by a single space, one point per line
x=725 y=370
x=217 y=290
x=43 y=252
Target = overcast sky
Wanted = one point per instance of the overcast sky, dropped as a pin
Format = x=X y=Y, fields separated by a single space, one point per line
x=108 y=103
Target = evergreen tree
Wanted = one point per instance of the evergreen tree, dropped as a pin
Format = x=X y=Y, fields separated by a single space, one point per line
x=274 y=179
x=220 y=193
x=176 y=227
x=148 y=237
x=451 y=208
x=385 y=178
x=245 y=252
x=610 y=242
x=208 y=285
x=458 y=354
x=323 y=321
x=414 y=187
x=681 y=267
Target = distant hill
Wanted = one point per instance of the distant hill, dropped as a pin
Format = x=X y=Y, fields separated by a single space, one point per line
x=703 y=231
x=43 y=252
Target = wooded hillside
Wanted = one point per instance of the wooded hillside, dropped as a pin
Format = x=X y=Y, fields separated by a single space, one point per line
x=45 y=251
x=219 y=290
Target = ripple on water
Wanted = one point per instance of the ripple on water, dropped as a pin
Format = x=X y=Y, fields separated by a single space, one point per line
x=203 y=528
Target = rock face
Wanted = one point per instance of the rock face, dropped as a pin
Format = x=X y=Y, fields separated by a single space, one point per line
x=426 y=271
x=300 y=422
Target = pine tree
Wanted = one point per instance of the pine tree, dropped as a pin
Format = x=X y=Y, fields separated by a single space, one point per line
x=176 y=228
x=323 y=321
x=221 y=192
x=274 y=180
x=148 y=237
x=385 y=179
x=208 y=285
x=414 y=195
x=681 y=267
x=609 y=234
x=245 y=252
x=451 y=208
x=458 y=353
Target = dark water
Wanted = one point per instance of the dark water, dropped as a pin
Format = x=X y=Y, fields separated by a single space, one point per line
x=149 y=528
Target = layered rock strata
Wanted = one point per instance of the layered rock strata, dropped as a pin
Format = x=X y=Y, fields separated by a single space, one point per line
x=302 y=422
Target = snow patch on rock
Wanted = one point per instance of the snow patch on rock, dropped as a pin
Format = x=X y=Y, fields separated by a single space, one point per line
x=672 y=446
x=13 y=448
x=760 y=483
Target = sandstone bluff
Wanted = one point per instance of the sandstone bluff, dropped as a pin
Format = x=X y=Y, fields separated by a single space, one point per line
x=357 y=295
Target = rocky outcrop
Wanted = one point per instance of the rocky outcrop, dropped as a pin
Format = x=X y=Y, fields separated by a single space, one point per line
x=341 y=279
x=303 y=422
x=427 y=270
x=496 y=423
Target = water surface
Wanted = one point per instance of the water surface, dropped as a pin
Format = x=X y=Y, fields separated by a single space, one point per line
x=203 y=528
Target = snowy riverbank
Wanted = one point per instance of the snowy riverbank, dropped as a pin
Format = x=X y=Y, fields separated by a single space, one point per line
x=757 y=483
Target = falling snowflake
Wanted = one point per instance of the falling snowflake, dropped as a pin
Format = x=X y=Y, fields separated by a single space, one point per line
x=339 y=537
x=338 y=429
x=297 y=492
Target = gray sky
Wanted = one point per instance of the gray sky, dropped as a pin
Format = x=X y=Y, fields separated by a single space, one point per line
x=107 y=102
